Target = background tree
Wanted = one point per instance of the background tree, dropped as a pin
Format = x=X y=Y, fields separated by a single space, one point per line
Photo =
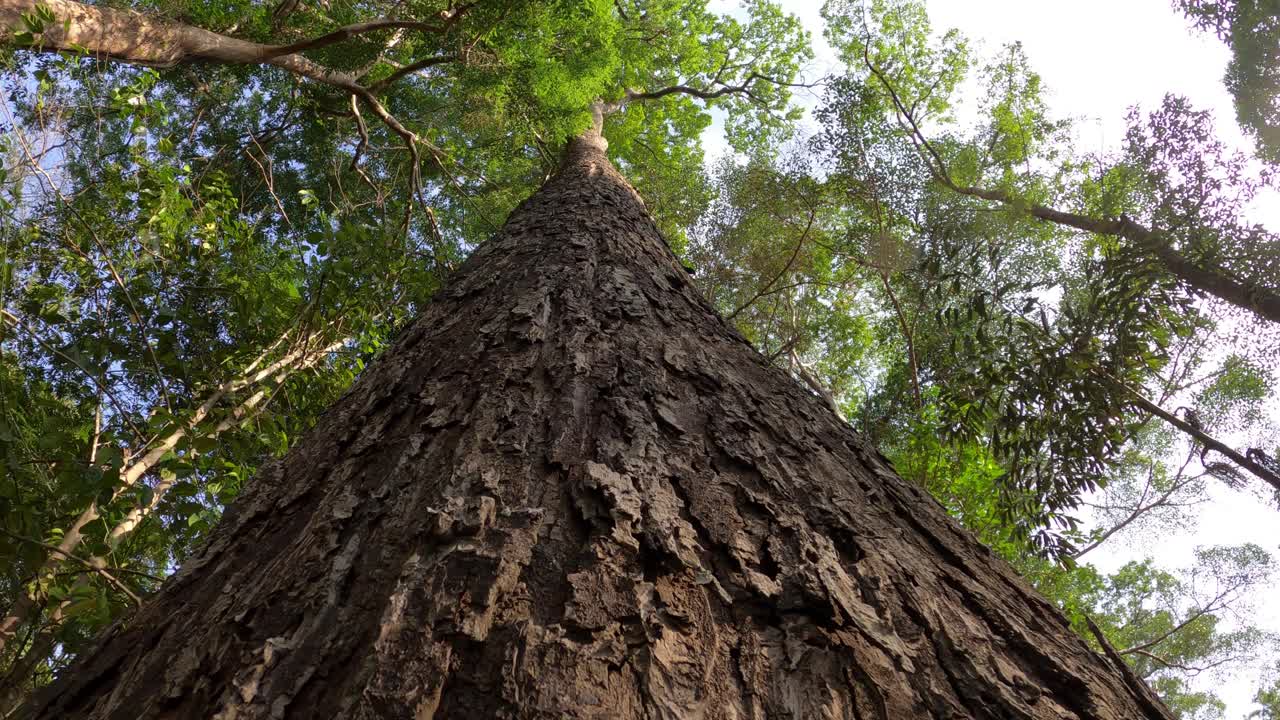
x=1251 y=29
x=1002 y=335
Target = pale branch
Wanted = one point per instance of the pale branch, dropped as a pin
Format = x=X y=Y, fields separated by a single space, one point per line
x=238 y=415
x=814 y=384
x=130 y=475
x=134 y=38
x=97 y=567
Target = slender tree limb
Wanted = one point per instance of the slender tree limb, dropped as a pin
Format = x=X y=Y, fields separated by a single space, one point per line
x=411 y=68
x=1138 y=511
x=1209 y=442
x=766 y=288
x=347 y=32
x=360 y=148
x=98 y=568
x=1199 y=613
x=1249 y=296
x=268 y=177
x=906 y=332
x=743 y=88
x=18 y=322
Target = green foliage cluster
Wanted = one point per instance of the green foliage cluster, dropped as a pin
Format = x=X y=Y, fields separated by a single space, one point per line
x=1005 y=363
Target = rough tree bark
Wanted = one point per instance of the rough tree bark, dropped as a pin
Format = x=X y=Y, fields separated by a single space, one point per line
x=570 y=490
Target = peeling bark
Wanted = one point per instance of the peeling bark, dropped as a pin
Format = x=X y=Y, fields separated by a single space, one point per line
x=571 y=490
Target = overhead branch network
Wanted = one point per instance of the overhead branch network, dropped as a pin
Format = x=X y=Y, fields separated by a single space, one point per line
x=1258 y=300
x=134 y=38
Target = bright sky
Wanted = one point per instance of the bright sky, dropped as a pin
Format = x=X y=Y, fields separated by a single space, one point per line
x=1098 y=58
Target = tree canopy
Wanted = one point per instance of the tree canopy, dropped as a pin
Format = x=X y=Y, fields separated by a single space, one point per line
x=214 y=214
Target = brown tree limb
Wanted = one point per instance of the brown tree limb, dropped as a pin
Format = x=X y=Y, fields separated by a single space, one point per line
x=1137 y=684
x=411 y=68
x=1199 y=613
x=911 y=344
x=767 y=287
x=1208 y=441
x=1248 y=295
x=1138 y=511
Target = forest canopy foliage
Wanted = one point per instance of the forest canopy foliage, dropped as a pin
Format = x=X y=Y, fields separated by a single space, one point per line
x=200 y=248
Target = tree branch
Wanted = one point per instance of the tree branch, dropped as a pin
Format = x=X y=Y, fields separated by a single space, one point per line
x=1209 y=442
x=1248 y=295
x=132 y=37
x=411 y=68
x=95 y=567
x=744 y=88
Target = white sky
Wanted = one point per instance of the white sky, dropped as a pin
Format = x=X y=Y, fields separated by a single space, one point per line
x=1098 y=58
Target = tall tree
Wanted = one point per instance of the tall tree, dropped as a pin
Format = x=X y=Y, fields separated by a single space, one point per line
x=1040 y=340
x=1251 y=29
x=570 y=490
x=175 y=234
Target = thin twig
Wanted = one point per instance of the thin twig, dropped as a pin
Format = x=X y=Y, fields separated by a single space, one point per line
x=91 y=566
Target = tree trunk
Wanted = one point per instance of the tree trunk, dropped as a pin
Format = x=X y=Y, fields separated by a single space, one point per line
x=570 y=490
